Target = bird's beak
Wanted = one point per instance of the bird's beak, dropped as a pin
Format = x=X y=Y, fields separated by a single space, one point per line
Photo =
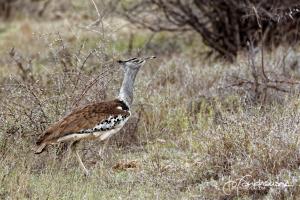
x=140 y=60
x=150 y=57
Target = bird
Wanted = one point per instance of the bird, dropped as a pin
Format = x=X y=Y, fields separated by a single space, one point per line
x=99 y=120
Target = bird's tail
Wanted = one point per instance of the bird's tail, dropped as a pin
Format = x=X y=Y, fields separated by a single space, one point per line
x=41 y=144
x=40 y=148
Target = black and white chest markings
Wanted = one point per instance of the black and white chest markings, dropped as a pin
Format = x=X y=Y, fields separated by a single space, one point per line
x=110 y=123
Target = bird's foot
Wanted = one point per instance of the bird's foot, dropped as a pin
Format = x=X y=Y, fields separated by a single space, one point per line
x=86 y=173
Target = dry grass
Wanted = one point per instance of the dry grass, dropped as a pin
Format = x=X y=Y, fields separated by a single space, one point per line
x=191 y=135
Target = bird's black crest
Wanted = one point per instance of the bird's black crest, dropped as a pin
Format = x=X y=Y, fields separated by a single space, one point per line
x=123 y=105
x=124 y=61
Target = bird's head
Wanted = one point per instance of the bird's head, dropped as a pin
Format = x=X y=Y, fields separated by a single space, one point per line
x=134 y=63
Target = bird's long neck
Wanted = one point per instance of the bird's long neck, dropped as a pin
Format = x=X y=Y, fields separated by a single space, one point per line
x=126 y=91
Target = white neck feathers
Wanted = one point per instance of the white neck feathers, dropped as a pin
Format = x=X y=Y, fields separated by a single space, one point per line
x=126 y=91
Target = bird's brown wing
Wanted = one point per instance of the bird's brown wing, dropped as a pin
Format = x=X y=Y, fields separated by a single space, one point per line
x=83 y=118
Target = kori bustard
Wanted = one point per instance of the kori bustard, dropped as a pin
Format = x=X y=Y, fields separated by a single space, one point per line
x=97 y=120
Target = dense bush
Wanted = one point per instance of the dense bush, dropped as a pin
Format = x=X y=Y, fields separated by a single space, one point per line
x=227 y=25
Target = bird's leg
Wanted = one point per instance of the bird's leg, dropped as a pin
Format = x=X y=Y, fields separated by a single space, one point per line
x=74 y=149
x=86 y=172
x=101 y=150
x=71 y=150
x=67 y=158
